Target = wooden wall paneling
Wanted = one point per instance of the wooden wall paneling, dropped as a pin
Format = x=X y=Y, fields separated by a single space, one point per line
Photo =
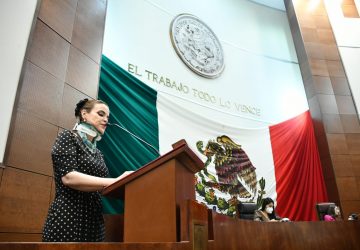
x=24 y=201
x=82 y=73
x=319 y=43
x=70 y=98
x=30 y=144
x=1 y=172
x=315 y=112
x=323 y=85
x=327 y=104
x=335 y=68
x=332 y=190
x=309 y=34
x=347 y=187
x=349 y=9
x=19 y=237
x=332 y=123
x=314 y=50
x=337 y=144
x=305 y=69
x=345 y=105
x=353 y=143
x=49 y=51
x=318 y=67
x=59 y=15
x=114 y=227
x=41 y=93
x=89 y=28
x=327 y=168
x=355 y=160
x=321 y=21
x=350 y=123
x=331 y=52
x=349 y=207
x=325 y=36
x=295 y=235
x=306 y=21
x=342 y=165
x=340 y=85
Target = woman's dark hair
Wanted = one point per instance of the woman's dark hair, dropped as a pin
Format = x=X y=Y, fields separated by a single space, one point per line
x=265 y=202
x=331 y=211
x=86 y=104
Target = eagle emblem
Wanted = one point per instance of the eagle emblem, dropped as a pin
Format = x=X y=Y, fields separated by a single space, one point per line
x=234 y=177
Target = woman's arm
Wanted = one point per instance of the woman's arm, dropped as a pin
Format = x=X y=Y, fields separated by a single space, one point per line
x=89 y=183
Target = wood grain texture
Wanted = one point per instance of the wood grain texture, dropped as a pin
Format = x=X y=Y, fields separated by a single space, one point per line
x=342 y=165
x=348 y=189
x=24 y=201
x=19 y=237
x=294 y=235
x=345 y=105
x=82 y=73
x=328 y=104
x=340 y=85
x=49 y=51
x=353 y=143
x=59 y=15
x=88 y=29
x=41 y=93
x=350 y=123
x=30 y=144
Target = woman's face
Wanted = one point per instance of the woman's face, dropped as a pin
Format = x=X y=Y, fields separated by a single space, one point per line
x=98 y=116
x=269 y=208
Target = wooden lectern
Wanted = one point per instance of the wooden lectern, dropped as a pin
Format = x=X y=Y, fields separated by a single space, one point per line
x=153 y=194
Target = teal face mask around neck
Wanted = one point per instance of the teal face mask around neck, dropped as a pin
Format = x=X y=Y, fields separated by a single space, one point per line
x=84 y=129
x=88 y=129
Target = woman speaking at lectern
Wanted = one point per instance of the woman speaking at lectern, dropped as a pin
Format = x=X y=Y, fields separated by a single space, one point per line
x=80 y=175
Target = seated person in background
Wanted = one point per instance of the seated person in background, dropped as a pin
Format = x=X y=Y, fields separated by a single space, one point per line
x=267 y=212
x=353 y=216
x=333 y=213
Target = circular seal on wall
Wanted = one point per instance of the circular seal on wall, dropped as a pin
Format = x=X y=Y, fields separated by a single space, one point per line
x=197 y=45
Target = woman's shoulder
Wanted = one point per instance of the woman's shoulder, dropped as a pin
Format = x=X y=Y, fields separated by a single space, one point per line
x=65 y=142
x=258 y=215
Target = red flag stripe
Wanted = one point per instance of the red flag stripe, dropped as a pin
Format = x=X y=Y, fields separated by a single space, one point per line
x=298 y=173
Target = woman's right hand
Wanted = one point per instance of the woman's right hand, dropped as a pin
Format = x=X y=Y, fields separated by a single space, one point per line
x=123 y=175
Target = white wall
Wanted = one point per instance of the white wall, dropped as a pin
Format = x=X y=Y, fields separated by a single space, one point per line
x=347 y=35
x=261 y=68
x=16 y=17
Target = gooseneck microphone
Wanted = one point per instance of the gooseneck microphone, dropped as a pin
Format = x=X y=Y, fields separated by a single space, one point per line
x=137 y=137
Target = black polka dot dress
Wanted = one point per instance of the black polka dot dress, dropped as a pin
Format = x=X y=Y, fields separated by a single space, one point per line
x=75 y=215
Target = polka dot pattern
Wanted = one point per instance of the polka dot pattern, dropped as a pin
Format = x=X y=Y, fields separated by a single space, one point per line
x=75 y=215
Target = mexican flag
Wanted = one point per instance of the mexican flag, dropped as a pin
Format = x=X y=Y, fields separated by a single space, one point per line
x=241 y=164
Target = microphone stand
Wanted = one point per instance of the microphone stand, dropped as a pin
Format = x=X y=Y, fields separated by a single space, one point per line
x=137 y=137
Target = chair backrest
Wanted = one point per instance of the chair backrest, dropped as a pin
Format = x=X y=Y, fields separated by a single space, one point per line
x=246 y=210
x=322 y=209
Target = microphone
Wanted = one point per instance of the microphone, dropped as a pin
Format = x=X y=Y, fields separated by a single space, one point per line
x=137 y=137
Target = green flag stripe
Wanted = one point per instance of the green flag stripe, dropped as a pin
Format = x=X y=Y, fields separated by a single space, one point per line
x=132 y=105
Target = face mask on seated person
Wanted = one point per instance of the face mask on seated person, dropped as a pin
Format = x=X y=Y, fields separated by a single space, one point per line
x=269 y=210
